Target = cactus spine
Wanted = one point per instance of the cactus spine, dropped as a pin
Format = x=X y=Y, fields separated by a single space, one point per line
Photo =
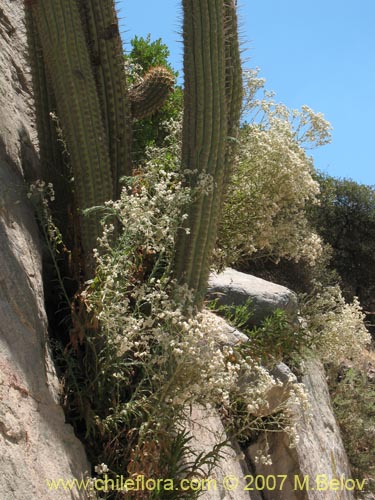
x=213 y=92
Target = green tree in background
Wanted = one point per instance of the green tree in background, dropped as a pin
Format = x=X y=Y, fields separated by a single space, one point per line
x=148 y=54
x=345 y=218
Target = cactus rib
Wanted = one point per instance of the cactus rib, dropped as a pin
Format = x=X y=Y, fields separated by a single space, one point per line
x=105 y=47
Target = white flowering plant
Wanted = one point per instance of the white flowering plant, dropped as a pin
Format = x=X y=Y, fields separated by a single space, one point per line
x=336 y=328
x=143 y=360
x=272 y=182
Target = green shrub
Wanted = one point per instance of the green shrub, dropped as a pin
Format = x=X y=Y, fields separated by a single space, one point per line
x=353 y=396
x=345 y=219
x=276 y=339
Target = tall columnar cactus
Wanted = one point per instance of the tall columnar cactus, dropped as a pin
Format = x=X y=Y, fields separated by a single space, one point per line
x=213 y=93
x=105 y=47
x=79 y=43
x=76 y=57
x=68 y=61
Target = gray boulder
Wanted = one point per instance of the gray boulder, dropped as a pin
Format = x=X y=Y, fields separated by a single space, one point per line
x=233 y=287
x=207 y=431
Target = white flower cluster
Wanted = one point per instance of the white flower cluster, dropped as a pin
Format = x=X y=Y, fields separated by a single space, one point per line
x=262 y=458
x=272 y=181
x=308 y=128
x=101 y=468
x=270 y=188
x=42 y=195
x=133 y=71
x=336 y=328
x=143 y=312
x=41 y=190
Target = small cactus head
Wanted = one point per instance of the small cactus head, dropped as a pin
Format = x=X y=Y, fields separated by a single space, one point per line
x=148 y=97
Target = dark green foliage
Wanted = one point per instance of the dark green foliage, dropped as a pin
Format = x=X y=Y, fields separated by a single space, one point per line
x=276 y=339
x=149 y=54
x=353 y=396
x=345 y=219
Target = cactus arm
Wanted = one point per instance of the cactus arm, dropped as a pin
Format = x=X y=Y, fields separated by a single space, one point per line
x=234 y=85
x=69 y=65
x=204 y=136
x=213 y=94
x=100 y=21
x=149 y=96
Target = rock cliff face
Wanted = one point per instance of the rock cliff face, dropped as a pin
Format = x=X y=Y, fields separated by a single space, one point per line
x=35 y=442
x=317 y=468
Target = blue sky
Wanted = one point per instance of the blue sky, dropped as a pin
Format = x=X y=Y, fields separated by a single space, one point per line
x=319 y=53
